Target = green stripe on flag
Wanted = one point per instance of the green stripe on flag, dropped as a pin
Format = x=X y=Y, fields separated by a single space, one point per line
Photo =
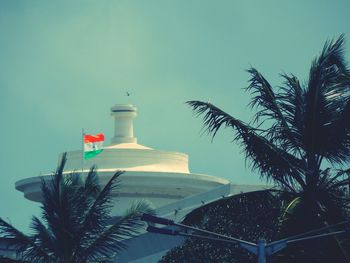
x=88 y=155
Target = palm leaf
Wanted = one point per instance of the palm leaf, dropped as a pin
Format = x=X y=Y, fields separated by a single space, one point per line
x=110 y=241
x=92 y=186
x=339 y=133
x=329 y=76
x=42 y=236
x=24 y=245
x=291 y=101
x=97 y=214
x=51 y=194
x=63 y=207
x=270 y=109
x=264 y=98
x=265 y=157
x=10 y=260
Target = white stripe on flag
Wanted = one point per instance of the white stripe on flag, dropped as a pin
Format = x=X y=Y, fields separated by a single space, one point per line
x=93 y=146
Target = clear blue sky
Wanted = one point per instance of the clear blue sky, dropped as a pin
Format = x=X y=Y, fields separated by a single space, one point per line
x=63 y=64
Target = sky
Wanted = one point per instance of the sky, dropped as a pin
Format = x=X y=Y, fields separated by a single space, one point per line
x=63 y=64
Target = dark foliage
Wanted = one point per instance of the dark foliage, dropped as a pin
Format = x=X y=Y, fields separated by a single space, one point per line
x=75 y=224
x=9 y=260
x=248 y=216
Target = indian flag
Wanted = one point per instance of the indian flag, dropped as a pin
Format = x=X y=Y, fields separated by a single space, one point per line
x=93 y=145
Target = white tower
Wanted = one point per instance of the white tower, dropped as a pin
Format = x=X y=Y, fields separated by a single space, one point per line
x=123 y=123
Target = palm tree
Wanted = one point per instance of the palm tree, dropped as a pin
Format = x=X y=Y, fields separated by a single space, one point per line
x=76 y=225
x=299 y=138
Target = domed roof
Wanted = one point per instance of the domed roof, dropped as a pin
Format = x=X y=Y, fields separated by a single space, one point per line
x=158 y=176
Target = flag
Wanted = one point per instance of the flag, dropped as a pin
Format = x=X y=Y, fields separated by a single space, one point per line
x=93 y=145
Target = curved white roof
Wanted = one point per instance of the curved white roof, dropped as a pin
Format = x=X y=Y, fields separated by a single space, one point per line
x=161 y=177
x=126 y=154
x=140 y=159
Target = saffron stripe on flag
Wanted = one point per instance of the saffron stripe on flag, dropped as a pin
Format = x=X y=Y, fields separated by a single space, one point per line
x=94 y=138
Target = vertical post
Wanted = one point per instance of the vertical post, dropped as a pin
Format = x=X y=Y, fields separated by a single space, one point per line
x=261 y=251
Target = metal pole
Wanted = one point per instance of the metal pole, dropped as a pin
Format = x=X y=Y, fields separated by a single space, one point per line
x=261 y=251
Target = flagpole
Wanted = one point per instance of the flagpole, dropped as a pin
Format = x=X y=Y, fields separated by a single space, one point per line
x=82 y=149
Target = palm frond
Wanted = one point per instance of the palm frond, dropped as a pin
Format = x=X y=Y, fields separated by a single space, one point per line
x=329 y=79
x=11 y=260
x=51 y=192
x=265 y=157
x=263 y=96
x=328 y=180
x=63 y=207
x=110 y=241
x=97 y=214
x=333 y=55
x=291 y=101
x=92 y=186
x=25 y=246
x=42 y=236
x=270 y=109
x=58 y=175
x=339 y=133
x=99 y=210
